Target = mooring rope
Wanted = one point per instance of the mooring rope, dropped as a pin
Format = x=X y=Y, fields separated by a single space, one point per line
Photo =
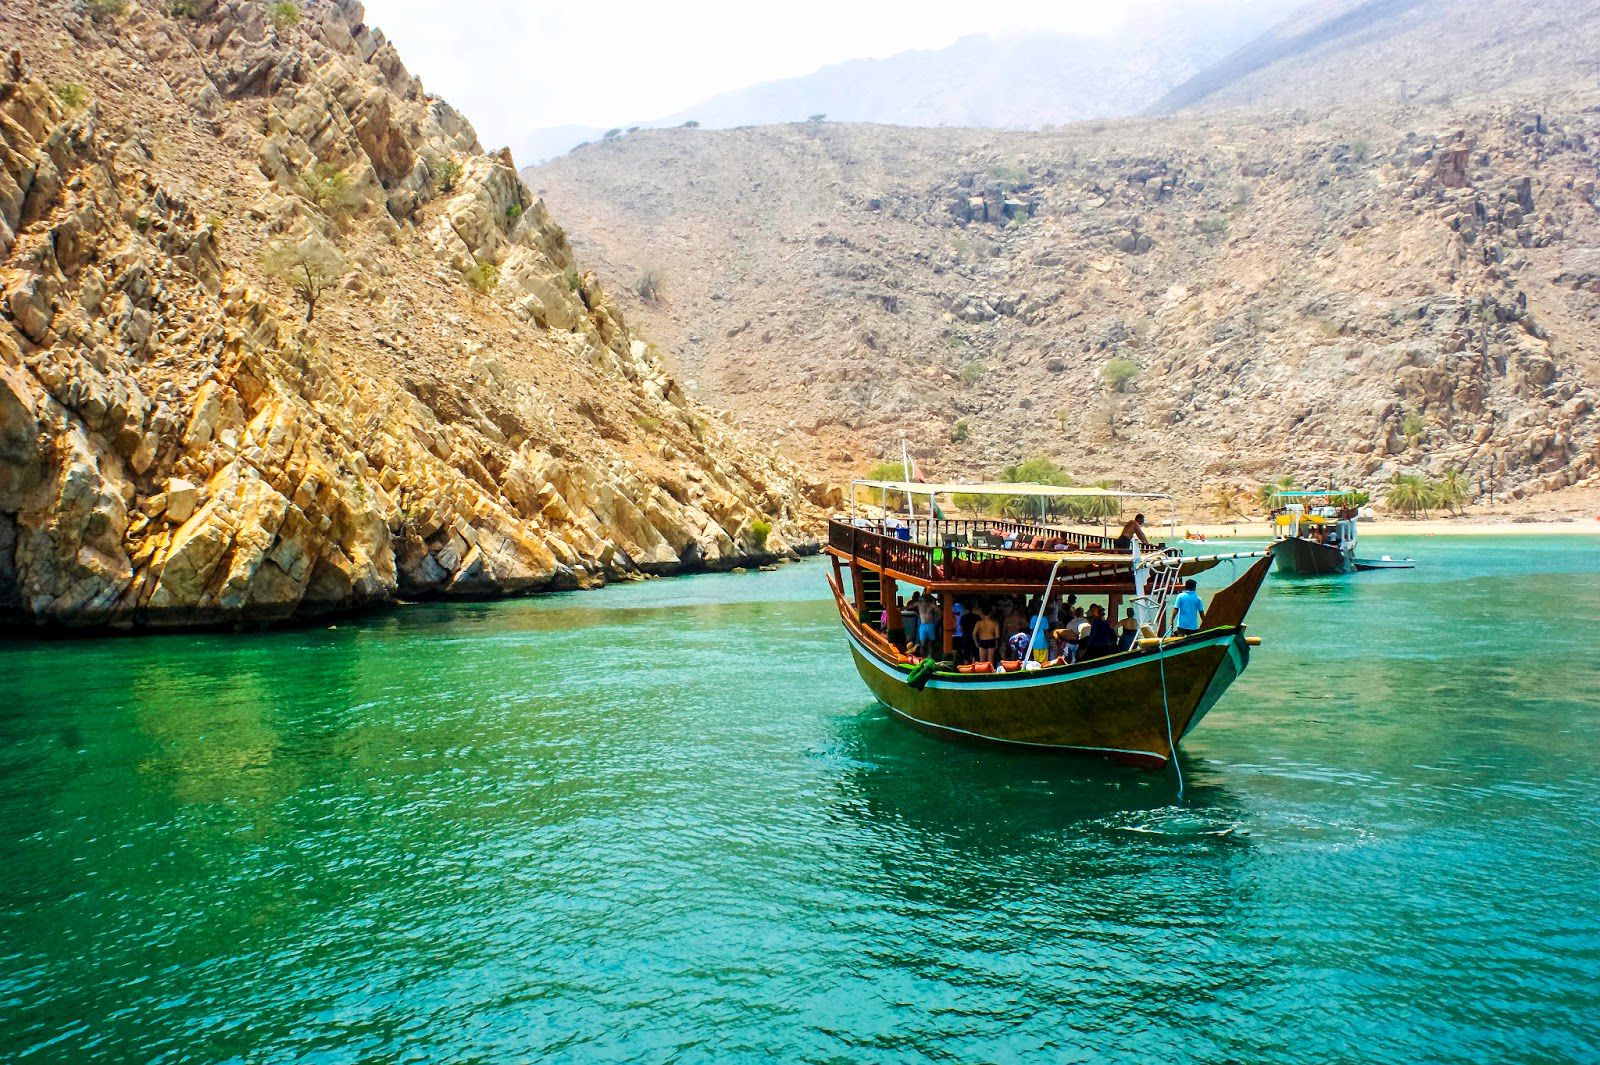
x=1172 y=748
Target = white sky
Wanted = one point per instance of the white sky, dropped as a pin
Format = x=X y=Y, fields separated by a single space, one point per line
x=516 y=65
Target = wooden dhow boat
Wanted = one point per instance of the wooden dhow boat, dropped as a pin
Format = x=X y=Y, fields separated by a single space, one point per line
x=1314 y=533
x=1134 y=705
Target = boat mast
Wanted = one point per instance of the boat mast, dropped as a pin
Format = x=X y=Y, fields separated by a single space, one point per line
x=905 y=471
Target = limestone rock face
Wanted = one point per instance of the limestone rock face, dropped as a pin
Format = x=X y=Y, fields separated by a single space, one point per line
x=180 y=445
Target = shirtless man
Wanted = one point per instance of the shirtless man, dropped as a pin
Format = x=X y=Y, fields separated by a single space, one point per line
x=986 y=633
x=1132 y=529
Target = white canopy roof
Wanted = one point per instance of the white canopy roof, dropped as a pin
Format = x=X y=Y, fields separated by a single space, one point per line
x=1004 y=488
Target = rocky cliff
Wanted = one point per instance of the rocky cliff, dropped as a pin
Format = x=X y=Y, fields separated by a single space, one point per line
x=278 y=336
x=1200 y=302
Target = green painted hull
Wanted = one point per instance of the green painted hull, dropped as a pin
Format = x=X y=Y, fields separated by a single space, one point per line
x=1111 y=707
x=1299 y=557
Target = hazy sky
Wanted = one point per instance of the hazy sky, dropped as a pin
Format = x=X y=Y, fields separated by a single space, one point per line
x=516 y=65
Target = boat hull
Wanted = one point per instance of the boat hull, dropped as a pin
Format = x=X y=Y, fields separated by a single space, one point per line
x=1110 y=707
x=1298 y=556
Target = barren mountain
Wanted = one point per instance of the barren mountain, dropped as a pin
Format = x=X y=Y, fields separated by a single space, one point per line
x=999 y=80
x=182 y=440
x=1388 y=285
x=1438 y=52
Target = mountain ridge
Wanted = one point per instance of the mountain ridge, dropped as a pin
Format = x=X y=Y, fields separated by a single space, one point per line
x=1378 y=287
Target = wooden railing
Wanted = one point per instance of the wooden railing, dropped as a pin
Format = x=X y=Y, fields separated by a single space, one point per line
x=991 y=532
x=930 y=563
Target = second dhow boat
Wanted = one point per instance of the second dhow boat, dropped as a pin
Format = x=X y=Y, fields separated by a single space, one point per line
x=1134 y=705
x=1314 y=532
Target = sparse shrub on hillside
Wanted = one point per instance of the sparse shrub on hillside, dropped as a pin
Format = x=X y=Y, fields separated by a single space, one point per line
x=759 y=531
x=960 y=431
x=1118 y=373
x=1015 y=174
x=309 y=266
x=182 y=8
x=105 y=10
x=284 y=14
x=1212 y=225
x=1361 y=149
x=819 y=117
x=648 y=286
x=1243 y=193
x=446 y=172
x=215 y=221
x=691 y=124
x=484 y=277
x=328 y=189
x=973 y=372
x=514 y=212
x=72 y=96
x=611 y=134
x=1413 y=428
x=572 y=278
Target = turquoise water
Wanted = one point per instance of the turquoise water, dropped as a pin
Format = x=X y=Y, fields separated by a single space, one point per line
x=664 y=822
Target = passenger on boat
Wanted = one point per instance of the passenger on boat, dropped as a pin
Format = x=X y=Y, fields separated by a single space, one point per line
x=1071 y=634
x=962 y=637
x=928 y=625
x=1016 y=620
x=908 y=619
x=1101 y=638
x=1127 y=632
x=986 y=634
x=1132 y=530
x=1189 y=606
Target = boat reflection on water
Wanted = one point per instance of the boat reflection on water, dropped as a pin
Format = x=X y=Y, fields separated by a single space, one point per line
x=980 y=805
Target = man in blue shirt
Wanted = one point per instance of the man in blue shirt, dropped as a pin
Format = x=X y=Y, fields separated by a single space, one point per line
x=1189 y=606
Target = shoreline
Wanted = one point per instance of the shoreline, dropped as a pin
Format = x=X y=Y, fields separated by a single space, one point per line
x=1257 y=528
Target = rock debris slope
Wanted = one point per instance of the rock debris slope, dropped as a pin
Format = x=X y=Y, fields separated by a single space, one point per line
x=467 y=413
x=1384 y=287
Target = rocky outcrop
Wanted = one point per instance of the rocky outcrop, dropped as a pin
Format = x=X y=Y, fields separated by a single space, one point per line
x=466 y=413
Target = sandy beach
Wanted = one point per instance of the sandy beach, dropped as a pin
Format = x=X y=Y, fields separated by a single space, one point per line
x=1466 y=526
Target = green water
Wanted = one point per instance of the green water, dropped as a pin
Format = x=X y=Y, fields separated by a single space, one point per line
x=665 y=822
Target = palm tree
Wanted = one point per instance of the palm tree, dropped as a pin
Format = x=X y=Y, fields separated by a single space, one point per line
x=1454 y=490
x=1411 y=493
x=1224 y=501
x=1267 y=493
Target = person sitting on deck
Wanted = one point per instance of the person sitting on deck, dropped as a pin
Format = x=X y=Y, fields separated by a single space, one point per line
x=1130 y=531
x=1071 y=635
x=1189 y=606
x=1128 y=632
x=1017 y=646
x=986 y=635
x=1101 y=638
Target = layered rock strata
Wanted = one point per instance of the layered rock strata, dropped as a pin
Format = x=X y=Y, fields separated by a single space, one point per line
x=465 y=413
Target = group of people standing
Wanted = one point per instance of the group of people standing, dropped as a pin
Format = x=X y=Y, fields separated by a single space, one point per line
x=994 y=629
